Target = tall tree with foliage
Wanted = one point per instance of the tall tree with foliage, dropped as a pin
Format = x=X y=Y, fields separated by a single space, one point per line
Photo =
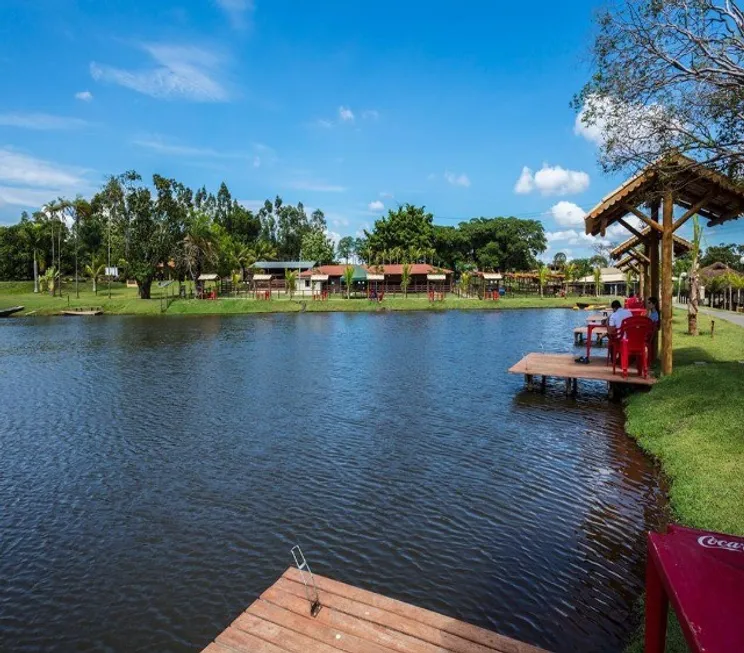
x=290 y=281
x=406 y=226
x=597 y=281
x=317 y=247
x=543 y=274
x=405 y=278
x=345 y=248
x=669 y=76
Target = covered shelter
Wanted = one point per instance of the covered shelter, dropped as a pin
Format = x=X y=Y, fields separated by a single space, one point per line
x=206 y=286
x=612 y=282
x=330 y=279
x=651 y=196
x=488 y=284
x=633 y=255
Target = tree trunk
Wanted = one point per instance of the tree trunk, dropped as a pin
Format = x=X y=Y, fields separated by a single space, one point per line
x=144 y=288
x=692 y=305
x=95 y=286
x=36 y=273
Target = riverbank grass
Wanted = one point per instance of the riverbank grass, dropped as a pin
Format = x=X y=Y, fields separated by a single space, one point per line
x=693 y=423
x=125 y=301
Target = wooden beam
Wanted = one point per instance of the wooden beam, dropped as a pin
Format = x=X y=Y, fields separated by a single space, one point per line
x=639 y=257
x=693 y=210
x=667 y=251
x=632 y=229
x=642 y=217
x=724 y=218
x=653 y=254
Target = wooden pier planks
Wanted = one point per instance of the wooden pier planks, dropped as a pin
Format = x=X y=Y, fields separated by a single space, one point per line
x=351 y=620
x=564 y=366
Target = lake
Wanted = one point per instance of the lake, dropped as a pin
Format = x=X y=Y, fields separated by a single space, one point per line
x=155 y=472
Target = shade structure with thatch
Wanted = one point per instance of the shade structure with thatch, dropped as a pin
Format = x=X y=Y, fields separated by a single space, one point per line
x=674 y=180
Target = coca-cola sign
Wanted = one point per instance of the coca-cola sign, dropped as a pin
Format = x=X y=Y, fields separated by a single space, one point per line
x=712 y=542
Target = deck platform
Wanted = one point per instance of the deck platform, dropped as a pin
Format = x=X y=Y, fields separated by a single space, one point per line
x=350 y=620
x=564 y=366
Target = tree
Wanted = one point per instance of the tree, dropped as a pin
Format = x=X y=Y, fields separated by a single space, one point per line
x=346 y=248
x=597 y=280
x=199 y=246
x=317 y=247
x=571 y=273
x=543 y=274
x=559 y=260
x=95 y=270
x=669 y=76
x=599 y=260
x=405 y=278
x=33 y=234
x=730 y=255
x=692 y=305
x=348 y=279
x=49 y=279
x=290 y=280
x=502 y=243
x=405 y=227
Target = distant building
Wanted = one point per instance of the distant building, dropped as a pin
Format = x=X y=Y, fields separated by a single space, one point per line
x=613 y=282
x=278 y=269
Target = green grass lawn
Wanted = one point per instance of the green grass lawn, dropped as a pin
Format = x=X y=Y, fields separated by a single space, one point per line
x=125 y=301
x=693 y=423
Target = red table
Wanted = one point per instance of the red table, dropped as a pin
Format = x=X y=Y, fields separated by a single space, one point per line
x=702 y=575
x=590 y=326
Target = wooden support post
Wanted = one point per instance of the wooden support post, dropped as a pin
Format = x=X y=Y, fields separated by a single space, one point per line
x=653 y=255
x=575 y=389
x=667 y=248
x=528 y=381
x=543 y=383
x=568 y=386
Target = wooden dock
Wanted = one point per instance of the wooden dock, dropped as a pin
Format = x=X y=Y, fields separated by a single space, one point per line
x=7 y=312
x=350 y=620
x=564 y=366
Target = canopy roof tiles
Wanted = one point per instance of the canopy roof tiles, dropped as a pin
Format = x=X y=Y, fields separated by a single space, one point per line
x=720 y=198
x=681 y=246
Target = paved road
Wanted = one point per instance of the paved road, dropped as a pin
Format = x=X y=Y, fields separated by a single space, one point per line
x=736 y=318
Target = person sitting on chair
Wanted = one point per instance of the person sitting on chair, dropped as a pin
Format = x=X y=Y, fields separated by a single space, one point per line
x=618 y=315
x=652 y=310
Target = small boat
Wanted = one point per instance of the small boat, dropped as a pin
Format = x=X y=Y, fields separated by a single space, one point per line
x=7 y=312
x=83 y=311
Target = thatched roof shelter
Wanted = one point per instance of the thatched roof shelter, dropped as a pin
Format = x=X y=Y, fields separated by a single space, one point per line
x=673 y=180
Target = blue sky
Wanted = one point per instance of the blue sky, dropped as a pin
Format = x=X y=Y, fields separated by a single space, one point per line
x=350 y=107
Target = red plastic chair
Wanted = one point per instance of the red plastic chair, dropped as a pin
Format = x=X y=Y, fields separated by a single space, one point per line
x=633 y=340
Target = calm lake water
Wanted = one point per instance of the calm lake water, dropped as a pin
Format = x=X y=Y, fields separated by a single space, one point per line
x=154 y=474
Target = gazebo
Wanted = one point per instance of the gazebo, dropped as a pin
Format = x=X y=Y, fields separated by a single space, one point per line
x=633 y=255
x=674 y=180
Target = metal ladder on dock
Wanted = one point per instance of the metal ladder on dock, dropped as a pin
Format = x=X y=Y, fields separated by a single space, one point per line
x=311 y=589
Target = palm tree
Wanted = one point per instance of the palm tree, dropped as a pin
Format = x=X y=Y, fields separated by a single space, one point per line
x=405 y=278
x=53 y=211
x=291 y=282
x=397 y=254
x=348 y=279
x=629 y=280
x=199 y=245
x=692 y=305
x=48 y=279
x=33 y=233
x=542 y=278
x=571 y=274
x=465 y=278
x=597 y=280
x=95 y=270
x=414 y=254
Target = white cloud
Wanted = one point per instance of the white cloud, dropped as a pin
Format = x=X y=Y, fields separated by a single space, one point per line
x=573 y=237
x=256 y=161
x=41 y=121
x=20 y=168
x=84 y=96
x=30 y=182
x=567 y=214
x=552 y=180
x=237 y=11
x=325 y=124
x=258 y=156
x=457 y=180
x=252 y=205
x=638 y=127
x=316 y=186
x=385 y=195
x=345 y=114
x=334 y=236
x=182 y=72
x=370 y=114
x=525 y=183
x=376 y=205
